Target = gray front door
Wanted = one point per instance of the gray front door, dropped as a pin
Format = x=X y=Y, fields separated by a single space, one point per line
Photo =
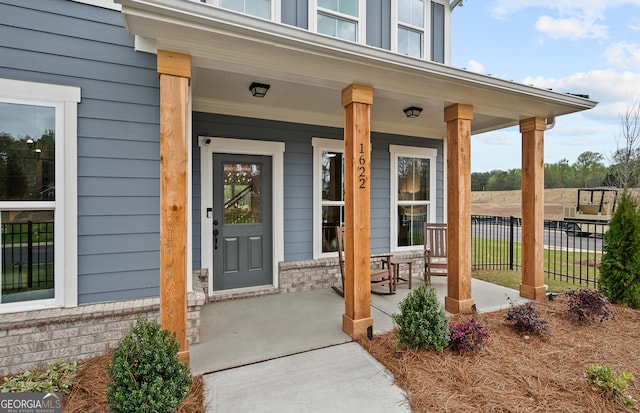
x=242 y=250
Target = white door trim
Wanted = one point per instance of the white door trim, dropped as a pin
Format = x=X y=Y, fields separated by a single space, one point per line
x=208 y=145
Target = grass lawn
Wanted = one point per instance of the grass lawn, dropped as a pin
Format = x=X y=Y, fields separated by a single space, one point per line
x=512 y=279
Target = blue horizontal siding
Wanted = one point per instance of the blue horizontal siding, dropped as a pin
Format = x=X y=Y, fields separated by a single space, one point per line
x=118 y=225
x=70 y=43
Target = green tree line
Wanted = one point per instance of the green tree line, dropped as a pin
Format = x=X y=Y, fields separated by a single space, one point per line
x=588 y=171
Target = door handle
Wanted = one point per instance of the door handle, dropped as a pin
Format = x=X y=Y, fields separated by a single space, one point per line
x=215 y=239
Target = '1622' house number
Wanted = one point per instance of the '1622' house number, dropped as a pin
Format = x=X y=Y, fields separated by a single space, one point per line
x=362 y=177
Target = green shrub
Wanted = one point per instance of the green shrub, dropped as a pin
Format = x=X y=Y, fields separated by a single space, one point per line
x=56 y=377
x=145 y=372
x=601 y=378
x=620 y=266
x=422 y=321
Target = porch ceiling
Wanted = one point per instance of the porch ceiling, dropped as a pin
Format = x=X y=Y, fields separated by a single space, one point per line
x=307 y=73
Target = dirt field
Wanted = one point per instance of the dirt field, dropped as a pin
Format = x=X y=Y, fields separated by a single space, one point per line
x=509 y=203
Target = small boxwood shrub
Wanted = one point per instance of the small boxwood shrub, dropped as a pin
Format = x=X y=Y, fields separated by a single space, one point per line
x=422 y=322
x=146 y=374
x=601 y=378
x=526 y=319
x=588 y=304
x=468 y=336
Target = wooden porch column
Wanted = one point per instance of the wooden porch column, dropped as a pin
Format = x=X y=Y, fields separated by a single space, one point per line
x=532 y=131
x=174 y=70
x=357 y=100
x=458 y=118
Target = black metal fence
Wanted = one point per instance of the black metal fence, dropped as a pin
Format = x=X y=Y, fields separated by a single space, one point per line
x=27 y=256
x=572 y=249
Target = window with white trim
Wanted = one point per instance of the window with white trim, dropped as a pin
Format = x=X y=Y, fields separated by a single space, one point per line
x=419 y=28
x=413 y=194
x=411 y=27
x=338 y=18
x=38 y=181
x=328 y=194
x=265 y=9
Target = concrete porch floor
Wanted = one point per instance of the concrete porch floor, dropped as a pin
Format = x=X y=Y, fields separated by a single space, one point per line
x=246 y=331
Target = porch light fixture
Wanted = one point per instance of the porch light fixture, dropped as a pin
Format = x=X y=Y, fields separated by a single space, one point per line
x=259 y=90
x=412 y=111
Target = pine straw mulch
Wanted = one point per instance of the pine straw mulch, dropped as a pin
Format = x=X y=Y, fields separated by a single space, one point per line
x=516 y=372
x=89 y=392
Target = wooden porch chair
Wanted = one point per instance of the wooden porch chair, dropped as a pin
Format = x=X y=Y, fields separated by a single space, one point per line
x=435 y=250
x=381 y=270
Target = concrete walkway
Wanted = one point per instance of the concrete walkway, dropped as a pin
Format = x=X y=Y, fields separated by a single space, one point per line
x=288 y=353
x=343 y=378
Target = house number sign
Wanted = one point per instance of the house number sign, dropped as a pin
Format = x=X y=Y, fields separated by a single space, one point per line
x=362 y=176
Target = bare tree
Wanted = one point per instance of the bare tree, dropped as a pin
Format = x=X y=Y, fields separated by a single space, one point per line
x=626 y=158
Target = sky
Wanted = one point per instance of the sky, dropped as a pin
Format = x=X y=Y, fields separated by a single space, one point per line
x=587 y=47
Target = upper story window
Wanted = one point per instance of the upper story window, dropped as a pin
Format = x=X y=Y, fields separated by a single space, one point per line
x=338 y=18
x=419 y=29
x=411 y=27
x=265 y=9
x=37 y=195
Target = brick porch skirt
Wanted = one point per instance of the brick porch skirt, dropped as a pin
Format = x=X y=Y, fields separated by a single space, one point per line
x=30 y=339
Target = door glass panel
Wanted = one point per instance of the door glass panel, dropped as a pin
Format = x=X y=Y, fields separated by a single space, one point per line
x=412 y=218
x=242 y=193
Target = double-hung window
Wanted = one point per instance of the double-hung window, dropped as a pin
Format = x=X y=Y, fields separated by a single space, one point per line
x=37 y=195
x=265 y=9
x=339 y=18
x=420 y=29
x=411 y=27
x=413 y=192
x=328 y=196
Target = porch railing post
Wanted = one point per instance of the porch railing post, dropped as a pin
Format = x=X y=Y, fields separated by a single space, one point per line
x=511 y=243
x=30 y=254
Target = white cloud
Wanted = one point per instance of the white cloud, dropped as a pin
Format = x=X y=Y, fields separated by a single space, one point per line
x=575 y=19
x=613 y=90
x=475 y=67
x=577 y=130
x=494 y=139
x=502 y=8
x=596 y=128
x=573 y=28
x=624 y=55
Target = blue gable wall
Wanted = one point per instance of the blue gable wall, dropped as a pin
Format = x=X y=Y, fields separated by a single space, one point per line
x=298 y=176
x=69 y=43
